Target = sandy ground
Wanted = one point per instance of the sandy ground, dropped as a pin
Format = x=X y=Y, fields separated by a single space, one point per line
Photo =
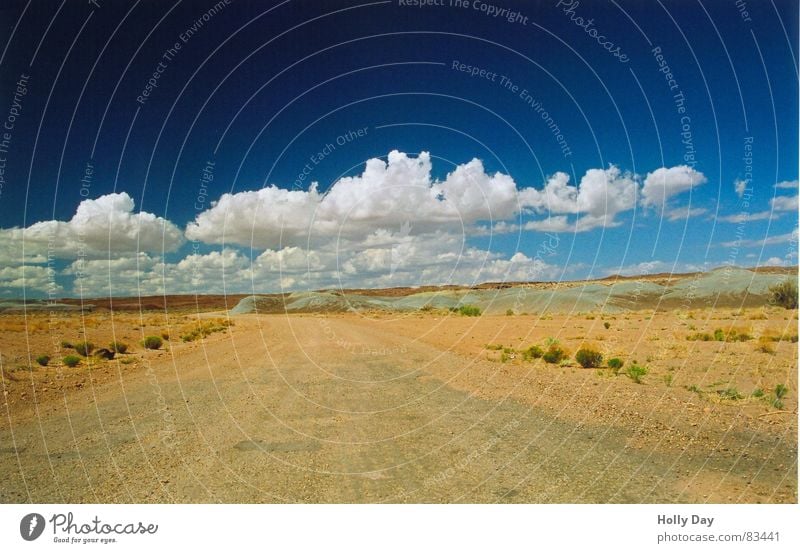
x=399 y=408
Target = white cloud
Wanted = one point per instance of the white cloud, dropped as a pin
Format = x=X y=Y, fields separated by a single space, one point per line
x=767 y=241
x=740 y=186
x=31 y=278
x=386 y=195
x=787 y=184
x=106 y=226
x=772 y=262
x=681 y=213
x=745 y=217
x=784 y=203
x=662 y=184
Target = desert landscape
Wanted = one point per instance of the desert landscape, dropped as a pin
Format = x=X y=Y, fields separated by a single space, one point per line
x=650 y=389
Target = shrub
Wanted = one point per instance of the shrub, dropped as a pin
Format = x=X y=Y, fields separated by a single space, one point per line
x=615 y=364
x=555 y=354
x=71 y=360
x=730 y=393
x=494 y=347
x=636 y=372
x=589 y=358
x=533 y=352
x=152 y=342
x=509 y=312
x=764 y=346
x=607 y=325
x=66 y=345
x=469 y=311
x=165 y=336
x=757 y=393
x=719 y=336
x=784 y=294
x=84 y=348
x=700 y=336
x=43 y=360
x=118 y=347
x=781 y=390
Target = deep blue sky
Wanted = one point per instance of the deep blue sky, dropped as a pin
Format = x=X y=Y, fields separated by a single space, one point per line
x=281 y=81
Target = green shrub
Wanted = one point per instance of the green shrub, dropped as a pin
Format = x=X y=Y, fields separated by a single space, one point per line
x=757 y=393
x=509 y=312
x=589 y=358
x=719 y=336
x=781 y=390
x=71 y=360
x=730 y=393
x=636 y=372
x=607 y=325
x=555 y=354
x=469 y=311
x=784 y=294
x=84 y=348
x=533 y=352
x=152 y=342
x=43 y=360
x=615 y=364
x=118 y=347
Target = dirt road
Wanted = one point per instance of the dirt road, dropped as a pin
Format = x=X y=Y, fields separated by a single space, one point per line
x=338 y=409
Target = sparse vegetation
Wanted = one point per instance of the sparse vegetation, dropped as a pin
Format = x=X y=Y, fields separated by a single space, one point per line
x=43 y=360
x=589 y=358
x=494 y=347
x=764 y=346
x=152 y=342
x=469 y=311
x=730 y=394
x=71 y=360
x=66 y=345
x=731 y=335
x=607 y=325
x=533 y=352
x=784 y=294
x=555 y=354
x=636 y=372
x=201 y=330
x=668 y=379
x=615 y=364
x=118 y=347
x=84 y=348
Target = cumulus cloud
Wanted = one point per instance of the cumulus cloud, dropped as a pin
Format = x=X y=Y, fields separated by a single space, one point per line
x=386 y=195
x=664 y=183
x=30 y=278
x=393 y=224
x=787 y=184
x=599 y=197
x=100 y=227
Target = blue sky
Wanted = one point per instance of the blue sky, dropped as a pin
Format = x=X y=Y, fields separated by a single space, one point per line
x=608 y=137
